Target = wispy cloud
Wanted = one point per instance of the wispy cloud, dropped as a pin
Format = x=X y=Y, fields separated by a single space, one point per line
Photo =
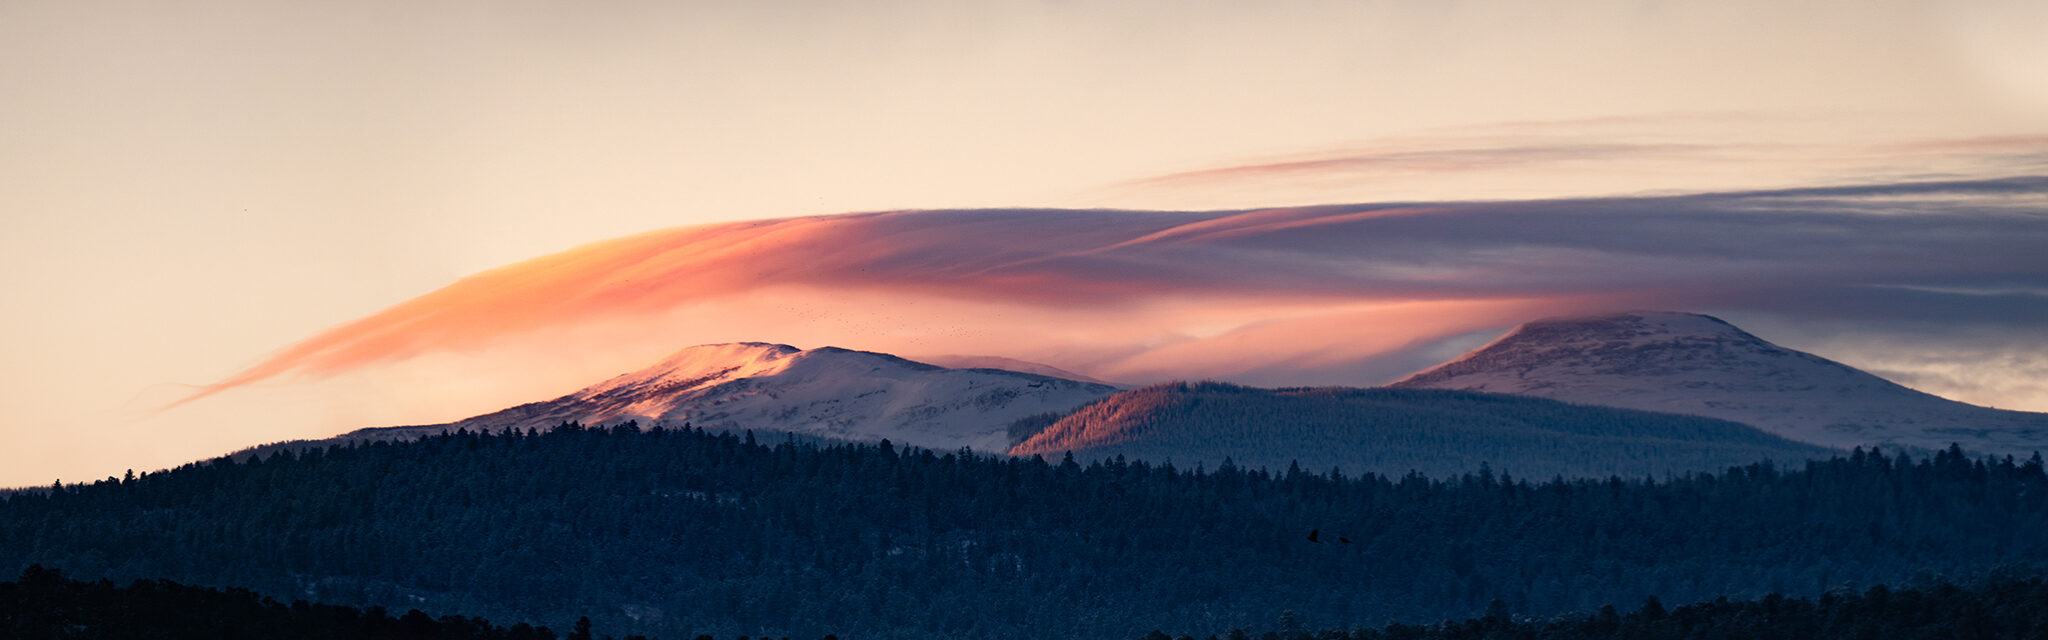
x=1600 y=156
x=2017 y=185
x=1481 y=158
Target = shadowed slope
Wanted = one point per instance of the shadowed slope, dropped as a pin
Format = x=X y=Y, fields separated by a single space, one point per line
x=1393 y=431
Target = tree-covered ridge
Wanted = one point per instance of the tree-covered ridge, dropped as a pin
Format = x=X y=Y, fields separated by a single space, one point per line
x=667 y=532
x=1393 y=431
x=2003 y=608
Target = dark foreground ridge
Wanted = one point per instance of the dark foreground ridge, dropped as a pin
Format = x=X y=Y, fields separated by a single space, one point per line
x=44 y=604
x=669 y=533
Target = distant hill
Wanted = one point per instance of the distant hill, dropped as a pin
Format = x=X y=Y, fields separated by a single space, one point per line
x=1700 y=365
x=1393 y=431
x=827 y=392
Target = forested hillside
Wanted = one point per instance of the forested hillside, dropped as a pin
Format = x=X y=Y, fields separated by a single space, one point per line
x=670 y=532
x=1394 y=431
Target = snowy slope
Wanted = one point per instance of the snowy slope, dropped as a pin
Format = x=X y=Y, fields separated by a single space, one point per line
x=1696 y=364
x=826 y=392
x=954 y=361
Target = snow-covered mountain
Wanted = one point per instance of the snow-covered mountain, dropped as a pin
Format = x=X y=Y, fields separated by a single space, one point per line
x=826 y=392
x=1700 y=365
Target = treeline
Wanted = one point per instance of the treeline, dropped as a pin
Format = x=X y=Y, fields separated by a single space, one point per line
x=675 y=532
x=2000 y=609
x=43 y=604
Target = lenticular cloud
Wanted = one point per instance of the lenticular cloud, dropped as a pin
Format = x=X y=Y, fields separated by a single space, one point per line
x=1308 y=292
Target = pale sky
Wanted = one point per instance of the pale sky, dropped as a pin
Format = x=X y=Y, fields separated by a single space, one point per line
x=192 y=187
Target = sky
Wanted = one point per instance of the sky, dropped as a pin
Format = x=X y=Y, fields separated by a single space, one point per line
x=200 y=192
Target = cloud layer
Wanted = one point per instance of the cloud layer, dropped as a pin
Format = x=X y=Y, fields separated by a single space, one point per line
x=1664 y=153
x=1351 y=294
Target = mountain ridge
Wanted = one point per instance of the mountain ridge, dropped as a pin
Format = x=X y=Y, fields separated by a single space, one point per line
x=827 y=392
x=1701 y=365
x=1439 y=433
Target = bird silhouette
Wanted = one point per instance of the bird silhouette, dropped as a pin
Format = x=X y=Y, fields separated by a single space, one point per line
x=1312 y=535
x=1343 y=539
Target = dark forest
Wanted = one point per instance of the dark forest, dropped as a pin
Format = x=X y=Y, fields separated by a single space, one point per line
x=675 y=532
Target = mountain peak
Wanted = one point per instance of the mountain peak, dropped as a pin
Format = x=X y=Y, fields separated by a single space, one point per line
x=1639 y=323
x=729 y=352
x=1635 y=342
x=697 y=366
x=828 y=392
x=1632 y=327
x=1701 y=365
